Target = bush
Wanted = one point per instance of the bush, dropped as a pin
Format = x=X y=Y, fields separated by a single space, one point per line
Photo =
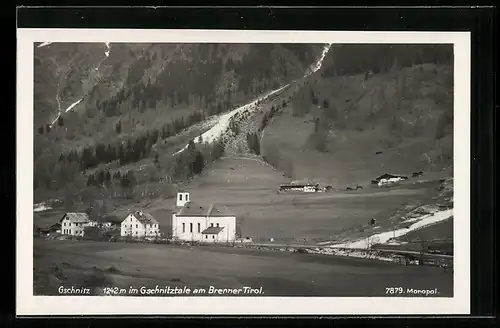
x=92 y=233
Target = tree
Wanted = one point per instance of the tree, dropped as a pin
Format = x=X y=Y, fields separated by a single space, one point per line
x=128 y=180
x=314 y=99
x=191 y=146
x=100 y=178
x=253 y=143
x=60 y=121
x=442 y=123
x=68 y=200
x=90 y=180
x=118 y=127
x=316 y=125
x=325 y=103
x=198 y=163
x=217 y=150
x=107 y=179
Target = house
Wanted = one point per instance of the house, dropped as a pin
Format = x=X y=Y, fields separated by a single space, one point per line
x=93 y=223
x=54 y=228
x=108 y=225
x=139 y=224
x=192 y=221
x=387 y=177
x=74 y=224
x=303 y=187
x=110 y=222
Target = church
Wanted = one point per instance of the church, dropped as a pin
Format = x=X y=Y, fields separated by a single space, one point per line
x=192 y=221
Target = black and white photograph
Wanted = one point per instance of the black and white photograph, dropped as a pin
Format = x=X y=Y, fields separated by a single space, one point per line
x=263 y=167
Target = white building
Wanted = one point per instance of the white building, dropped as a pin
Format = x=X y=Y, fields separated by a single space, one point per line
x=93 y=223
x=139 y=224
x=192 y=221
x=74 y=224
x=107 y=224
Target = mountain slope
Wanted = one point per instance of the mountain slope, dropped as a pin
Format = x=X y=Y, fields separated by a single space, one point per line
x=120 y=104
x=360 y=117
x=124 y=77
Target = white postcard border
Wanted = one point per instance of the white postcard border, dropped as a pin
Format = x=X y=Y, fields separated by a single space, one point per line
x=28 y=304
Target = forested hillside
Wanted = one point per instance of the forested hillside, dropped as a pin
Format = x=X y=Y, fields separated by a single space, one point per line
x=131 y=101
x=370 y=109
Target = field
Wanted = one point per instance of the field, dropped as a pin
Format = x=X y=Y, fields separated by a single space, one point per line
x=248 y=187
x=95 y=265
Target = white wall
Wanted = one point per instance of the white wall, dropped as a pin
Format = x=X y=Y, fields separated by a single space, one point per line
x=72 y=228
x=131 y=227
x=182 y=198
x=181 y=228
x=152 y=229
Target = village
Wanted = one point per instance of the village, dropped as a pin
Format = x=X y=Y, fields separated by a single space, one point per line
x=191 y=221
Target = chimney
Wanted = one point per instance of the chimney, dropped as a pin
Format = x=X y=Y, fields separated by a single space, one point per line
x=182 y=198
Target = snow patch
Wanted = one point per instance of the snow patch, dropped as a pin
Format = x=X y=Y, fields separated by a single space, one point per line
x=55 y=120
x=317 y=65
x=350 y=253
x=44 y=44
x=222 y=124
x=73 y=105
x=395 y=243
x=41 y=207
x=107 y=52
x=67 y=109
x=384 y=237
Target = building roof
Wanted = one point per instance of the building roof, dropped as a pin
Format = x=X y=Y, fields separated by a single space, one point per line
x=299 y=186
x=193 y=209
x=196 y=209
x=76 y=217
x=389 y=176
x=144 y=218
x=212 y=230
x=219 y=210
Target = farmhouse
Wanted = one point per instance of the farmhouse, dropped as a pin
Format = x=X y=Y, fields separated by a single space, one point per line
x=388 y=179
x=74 y=224
x=139 y=224
x=192 y=221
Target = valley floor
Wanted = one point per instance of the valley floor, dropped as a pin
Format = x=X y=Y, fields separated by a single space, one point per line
x=248 y=186
x=99 y=264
